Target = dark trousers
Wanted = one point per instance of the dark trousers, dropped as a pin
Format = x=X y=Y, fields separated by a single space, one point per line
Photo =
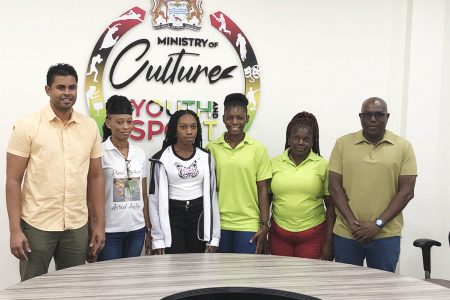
x=68 y=248
x=184 y=224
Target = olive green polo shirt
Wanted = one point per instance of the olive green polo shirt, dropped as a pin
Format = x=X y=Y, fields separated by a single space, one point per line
x=299 y=191
x=237 y=172
x=370 y=177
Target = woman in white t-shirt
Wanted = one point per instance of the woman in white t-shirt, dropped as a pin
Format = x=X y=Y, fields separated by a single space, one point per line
x=125 y=170
x=183 y=200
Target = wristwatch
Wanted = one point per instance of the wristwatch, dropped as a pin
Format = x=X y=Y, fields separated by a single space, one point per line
x=266 y=223
x=379 y=223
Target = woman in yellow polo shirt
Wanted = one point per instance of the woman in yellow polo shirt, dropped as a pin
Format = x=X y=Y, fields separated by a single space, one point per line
x=301 y=226
x=243 y=169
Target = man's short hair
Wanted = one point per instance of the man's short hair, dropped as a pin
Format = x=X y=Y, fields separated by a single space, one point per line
x=60 y=70
x=236 y=99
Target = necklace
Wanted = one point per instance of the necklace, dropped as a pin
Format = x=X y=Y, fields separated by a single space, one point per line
x=183 y=153
x=227 y=140
x=300 y=160
x=124 y=151
x=292 y=159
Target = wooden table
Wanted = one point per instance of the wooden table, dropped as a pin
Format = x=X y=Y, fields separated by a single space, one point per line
x=154 y=277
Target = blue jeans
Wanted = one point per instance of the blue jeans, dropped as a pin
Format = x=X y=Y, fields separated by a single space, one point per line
x=380 y=254
x=122 y=244
x=236 y=242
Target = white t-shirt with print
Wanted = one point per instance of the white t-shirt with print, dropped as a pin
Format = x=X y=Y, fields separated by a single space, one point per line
x=185 y=176
x=123 y=187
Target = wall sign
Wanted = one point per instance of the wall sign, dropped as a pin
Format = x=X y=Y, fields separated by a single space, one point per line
x=177 y=67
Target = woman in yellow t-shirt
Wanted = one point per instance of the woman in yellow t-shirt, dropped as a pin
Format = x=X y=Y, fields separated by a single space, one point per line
x=302 y=211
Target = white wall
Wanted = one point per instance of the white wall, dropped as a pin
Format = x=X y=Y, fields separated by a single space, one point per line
x=321 y=56
x=427 y=125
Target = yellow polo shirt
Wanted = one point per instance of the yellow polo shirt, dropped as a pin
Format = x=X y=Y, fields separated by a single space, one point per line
x=298 y=191
x=370 y=177
x=237 y=172
x=55 y=183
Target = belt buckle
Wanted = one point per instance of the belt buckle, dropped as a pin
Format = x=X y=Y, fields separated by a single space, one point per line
x=188 y=205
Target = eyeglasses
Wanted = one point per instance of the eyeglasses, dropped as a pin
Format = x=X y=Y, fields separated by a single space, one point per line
x=129 y=184
x=128 y=164
x=366 y=116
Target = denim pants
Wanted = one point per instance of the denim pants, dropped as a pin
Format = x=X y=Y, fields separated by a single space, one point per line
x=379 y=254
x=236 y=242
x=186 y=225
x=122 y=244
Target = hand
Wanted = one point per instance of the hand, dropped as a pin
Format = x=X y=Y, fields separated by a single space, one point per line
x=261 y=239
x=19 y=245
x=210 y=249
x=148 y=243
x=91 y=258
x=97 y=240
x=366 y=231
x=354 y=226
x=160 y=251
x=327 y=250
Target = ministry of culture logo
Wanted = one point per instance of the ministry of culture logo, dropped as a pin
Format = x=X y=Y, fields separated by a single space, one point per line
x=178 y=67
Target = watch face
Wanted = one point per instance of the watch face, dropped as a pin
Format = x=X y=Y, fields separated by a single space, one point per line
x=379 y=222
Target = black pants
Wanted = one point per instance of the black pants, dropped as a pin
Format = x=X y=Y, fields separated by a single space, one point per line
x=184 y=222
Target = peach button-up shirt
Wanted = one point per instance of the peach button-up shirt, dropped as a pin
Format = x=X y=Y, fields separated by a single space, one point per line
x=55 y=183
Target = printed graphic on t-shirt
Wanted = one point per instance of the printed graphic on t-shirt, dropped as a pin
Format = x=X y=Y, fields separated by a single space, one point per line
x=126 y=189
x=187 y=172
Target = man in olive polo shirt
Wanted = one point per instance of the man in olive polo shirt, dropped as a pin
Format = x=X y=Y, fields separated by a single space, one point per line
x=372 y=174
x=56 y=153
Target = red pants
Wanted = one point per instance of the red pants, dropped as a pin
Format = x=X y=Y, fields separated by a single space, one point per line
x=307 y=244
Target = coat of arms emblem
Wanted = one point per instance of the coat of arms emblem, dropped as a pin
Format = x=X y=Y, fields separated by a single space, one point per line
x=177 y=14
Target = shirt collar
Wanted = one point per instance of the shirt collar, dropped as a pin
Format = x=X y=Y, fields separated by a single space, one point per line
x=221 y=140
x=109 y=146
x=311 y=156
x=51 y=116
x=388 y=138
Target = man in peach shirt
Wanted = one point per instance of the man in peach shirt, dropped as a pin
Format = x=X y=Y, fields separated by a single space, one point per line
x=56 y=154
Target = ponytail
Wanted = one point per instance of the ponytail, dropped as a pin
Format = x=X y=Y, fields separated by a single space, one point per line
x=106 y=132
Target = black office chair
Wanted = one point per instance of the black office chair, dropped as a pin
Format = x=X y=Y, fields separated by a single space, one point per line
x=426 y=245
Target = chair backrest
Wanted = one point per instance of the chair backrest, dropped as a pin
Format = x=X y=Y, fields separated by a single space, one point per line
x=425 y=245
